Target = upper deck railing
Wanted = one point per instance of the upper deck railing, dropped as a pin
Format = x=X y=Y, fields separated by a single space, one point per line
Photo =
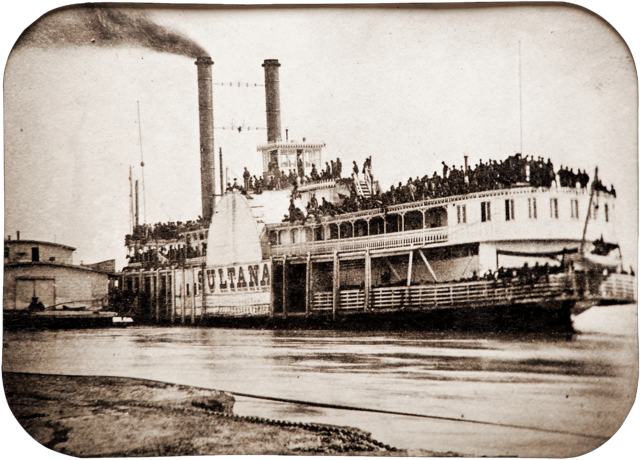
x=414 y=238
x=325 y=183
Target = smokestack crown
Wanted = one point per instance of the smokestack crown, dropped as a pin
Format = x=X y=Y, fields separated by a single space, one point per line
x=271 y=63
x=204 y=60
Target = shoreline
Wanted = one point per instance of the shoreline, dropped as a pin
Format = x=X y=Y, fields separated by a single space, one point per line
x=94 y=416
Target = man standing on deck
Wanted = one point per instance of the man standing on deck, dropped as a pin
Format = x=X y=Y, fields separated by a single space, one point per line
x=246 y=176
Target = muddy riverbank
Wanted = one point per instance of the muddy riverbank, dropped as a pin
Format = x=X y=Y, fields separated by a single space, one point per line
x=89 y=416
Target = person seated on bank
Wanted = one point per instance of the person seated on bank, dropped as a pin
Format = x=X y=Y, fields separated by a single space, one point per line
x=35 y=305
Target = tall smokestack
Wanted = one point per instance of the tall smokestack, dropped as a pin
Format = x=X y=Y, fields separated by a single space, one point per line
x=272 y=90
x=207 y=153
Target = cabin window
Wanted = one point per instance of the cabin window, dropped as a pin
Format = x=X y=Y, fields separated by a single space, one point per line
x=360 y=228
x=574 y=209
x=462 y=213
x=376 y=226
x=333 y=231
x=413 y=220
x=283 y=237
x=35 y=254
x=554 y=208
x=485 y=211
x=509 y=209
x=318 y=233
x=273 y=238
x=293 y=236
x=346 y=230
x=393 y=223
x=533 y=209
x=606 y=212
x=188 y=293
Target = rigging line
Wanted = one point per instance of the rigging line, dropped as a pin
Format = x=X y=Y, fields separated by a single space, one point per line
x=144 y=199
x=409 y=414
x=520 y=88
x=342 y=407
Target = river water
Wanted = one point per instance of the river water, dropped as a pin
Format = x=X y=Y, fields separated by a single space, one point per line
x=558 y=395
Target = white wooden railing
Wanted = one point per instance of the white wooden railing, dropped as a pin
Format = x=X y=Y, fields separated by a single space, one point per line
x=619 y=288
x=408 y=239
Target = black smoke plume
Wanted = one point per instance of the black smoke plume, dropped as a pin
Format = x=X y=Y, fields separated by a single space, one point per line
x=105 y=26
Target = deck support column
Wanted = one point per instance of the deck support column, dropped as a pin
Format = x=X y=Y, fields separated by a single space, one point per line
x=367 y=281
x=284 y=286
x=204 y=283
x=167 y=299
x=172 y=283
x=336 y=284
x=271 y=290
x=193 y=297
x=139 y=293
x=409 y=269
x=309 y=288
x=183 y=296
x=156 y=283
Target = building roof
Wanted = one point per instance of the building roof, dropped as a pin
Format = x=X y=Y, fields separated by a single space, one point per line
x=46 y=243
x=53 y=264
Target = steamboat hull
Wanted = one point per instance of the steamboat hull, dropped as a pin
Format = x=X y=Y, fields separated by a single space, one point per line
x=283 y=297
x=38 y=321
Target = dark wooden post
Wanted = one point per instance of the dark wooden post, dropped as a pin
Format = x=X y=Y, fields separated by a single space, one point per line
x=173 y=296
x=284 y=286
x=204 y=283
x=272 y=277
x=367 y=280
x=336 y=284
x=193 y=296
x=156 y=283
x=183 y=296
x=309 y=292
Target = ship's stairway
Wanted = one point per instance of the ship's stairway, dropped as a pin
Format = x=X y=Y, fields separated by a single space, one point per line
x=363 y=187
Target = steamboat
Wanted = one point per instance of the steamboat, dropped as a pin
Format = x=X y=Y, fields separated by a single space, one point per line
x=509 y=245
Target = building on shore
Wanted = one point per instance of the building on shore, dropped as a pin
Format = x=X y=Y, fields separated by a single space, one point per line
x=46 y=270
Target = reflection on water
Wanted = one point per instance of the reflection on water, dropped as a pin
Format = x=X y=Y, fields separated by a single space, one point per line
x=582 y=384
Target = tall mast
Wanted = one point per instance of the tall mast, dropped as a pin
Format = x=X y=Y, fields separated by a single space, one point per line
x=520 y=88
x=137 y=221
x=144 y=199
x=131 y=201
x=221 y=175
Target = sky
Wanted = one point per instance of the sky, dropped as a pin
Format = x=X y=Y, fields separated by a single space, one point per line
x=411 y=87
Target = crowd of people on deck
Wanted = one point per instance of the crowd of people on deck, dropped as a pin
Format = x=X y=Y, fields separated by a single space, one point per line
x=164 y=231
x=524 y=274
x=493 y=175
x=280 y=180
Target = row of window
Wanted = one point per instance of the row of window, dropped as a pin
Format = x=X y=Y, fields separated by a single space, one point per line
x=133 y=284
x=510 y=213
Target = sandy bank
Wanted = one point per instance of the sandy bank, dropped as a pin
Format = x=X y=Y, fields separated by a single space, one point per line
x=89 y=416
